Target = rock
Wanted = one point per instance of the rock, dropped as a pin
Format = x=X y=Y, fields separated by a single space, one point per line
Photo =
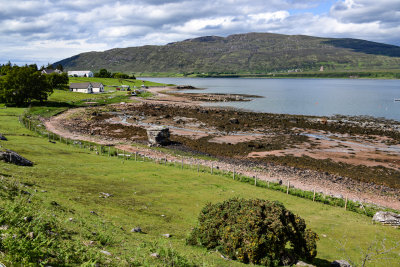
x=158 y=135
x=88 y=243
x=31 y=235
x=136 y=230
x=167 y=235
x=14 y=158
x=340 y=263
x=2 y=137
x=28 y=218
x=94 y=213
x=234 y=121
x=154 y=255
x=106 y=252
x=302 y=263
x=105 y=195
x=385 y=217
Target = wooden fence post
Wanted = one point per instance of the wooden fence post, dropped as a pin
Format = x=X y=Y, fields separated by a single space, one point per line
x=233 y=174
x=288 y=185
x=182 y=164
x=212 y=168
x=313 y=199
x=345 y=204
x=136 y=156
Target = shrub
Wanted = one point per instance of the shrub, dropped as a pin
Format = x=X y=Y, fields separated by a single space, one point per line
x=254 y=231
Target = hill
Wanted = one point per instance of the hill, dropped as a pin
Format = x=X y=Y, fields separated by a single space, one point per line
x=253 y=53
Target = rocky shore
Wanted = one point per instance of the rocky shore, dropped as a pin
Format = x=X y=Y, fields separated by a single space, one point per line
x=358 y=158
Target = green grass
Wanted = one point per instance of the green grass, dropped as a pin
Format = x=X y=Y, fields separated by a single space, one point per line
x=160 y=199
x=112 y=81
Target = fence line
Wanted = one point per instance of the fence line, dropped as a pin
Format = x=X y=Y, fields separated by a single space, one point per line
x=347 y=204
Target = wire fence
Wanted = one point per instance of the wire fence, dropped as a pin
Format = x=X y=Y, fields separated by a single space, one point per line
x=196 y=166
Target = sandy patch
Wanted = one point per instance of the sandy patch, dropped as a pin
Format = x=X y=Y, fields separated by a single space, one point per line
x=235 y=139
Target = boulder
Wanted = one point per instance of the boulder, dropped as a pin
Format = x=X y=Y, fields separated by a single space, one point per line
x=386 y=217
x=340 y=263
x=2 y=137
x=14 y=158
x=304 y=264
x=234 y=120
x=158 y=135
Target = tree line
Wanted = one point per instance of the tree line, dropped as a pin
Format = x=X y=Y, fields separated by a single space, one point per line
x=21 y=85
x=104 y=73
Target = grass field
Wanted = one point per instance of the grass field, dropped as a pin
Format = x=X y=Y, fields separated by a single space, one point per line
x=107 y=82
x=159 y=199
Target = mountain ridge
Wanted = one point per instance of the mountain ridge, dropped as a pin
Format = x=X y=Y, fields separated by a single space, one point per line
x=243 y=53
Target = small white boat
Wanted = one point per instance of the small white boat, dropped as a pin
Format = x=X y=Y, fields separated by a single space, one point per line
x=397 y=99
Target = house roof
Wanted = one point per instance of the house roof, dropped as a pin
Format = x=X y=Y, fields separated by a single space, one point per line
x=49 y=71
x=78 y=72
x=80 y=85
x=97 y=85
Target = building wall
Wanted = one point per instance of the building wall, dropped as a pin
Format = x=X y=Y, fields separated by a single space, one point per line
x=98 y=89
x=87 y=91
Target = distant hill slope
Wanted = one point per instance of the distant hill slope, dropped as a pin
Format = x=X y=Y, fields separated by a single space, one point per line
x=243 y=53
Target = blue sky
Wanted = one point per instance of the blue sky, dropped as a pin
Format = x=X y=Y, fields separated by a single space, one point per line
x=43 y=31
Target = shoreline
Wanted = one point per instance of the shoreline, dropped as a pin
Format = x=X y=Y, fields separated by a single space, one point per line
x=305 y=179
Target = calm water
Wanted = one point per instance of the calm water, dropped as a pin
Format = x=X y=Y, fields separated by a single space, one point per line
x=323 y=97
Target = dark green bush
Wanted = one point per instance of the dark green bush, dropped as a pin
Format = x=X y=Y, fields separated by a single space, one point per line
x=254 y=231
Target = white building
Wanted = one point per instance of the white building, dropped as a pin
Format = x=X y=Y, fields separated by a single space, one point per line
x=50 y=71
x=81 y=87
x=80 y=73
x=97 y=87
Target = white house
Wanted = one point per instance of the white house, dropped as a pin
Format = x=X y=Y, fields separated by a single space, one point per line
x=81 y=87
x=97 y=87
x=50 y=71
x=80 y=73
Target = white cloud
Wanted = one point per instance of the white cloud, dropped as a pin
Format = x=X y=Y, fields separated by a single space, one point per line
x=47 y=31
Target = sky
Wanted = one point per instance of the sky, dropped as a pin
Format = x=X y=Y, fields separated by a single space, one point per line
x=45 y=31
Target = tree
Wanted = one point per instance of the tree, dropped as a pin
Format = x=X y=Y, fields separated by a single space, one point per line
x=21 y=85
x=255 y=231
x=60 y=67
x=57 y=81
x=103 y=73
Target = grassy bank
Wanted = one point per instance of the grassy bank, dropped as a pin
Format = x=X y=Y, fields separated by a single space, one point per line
x=160 y=199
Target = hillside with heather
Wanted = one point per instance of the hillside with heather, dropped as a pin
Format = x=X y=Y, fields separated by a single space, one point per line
x=253 y=53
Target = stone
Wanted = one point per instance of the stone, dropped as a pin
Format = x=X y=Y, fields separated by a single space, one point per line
x=106 y=252
x=31 y=235
x=136 y=230
x=386 y=217
x=158 y=135
x=167 y=235
x=14 y=158
x=340 y=263
x=2 y=137
x=234 y=120
x=105 y=195
x=154 y=255
x=302 y=263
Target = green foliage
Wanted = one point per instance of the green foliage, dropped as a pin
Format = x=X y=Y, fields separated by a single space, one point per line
x=254 y=231
x=252 y=53
x=32 y=236
x=103 y=73
x=22 y=85
x=58 y=81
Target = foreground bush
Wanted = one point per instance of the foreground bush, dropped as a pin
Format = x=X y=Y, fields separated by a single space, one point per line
x=254 y=231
